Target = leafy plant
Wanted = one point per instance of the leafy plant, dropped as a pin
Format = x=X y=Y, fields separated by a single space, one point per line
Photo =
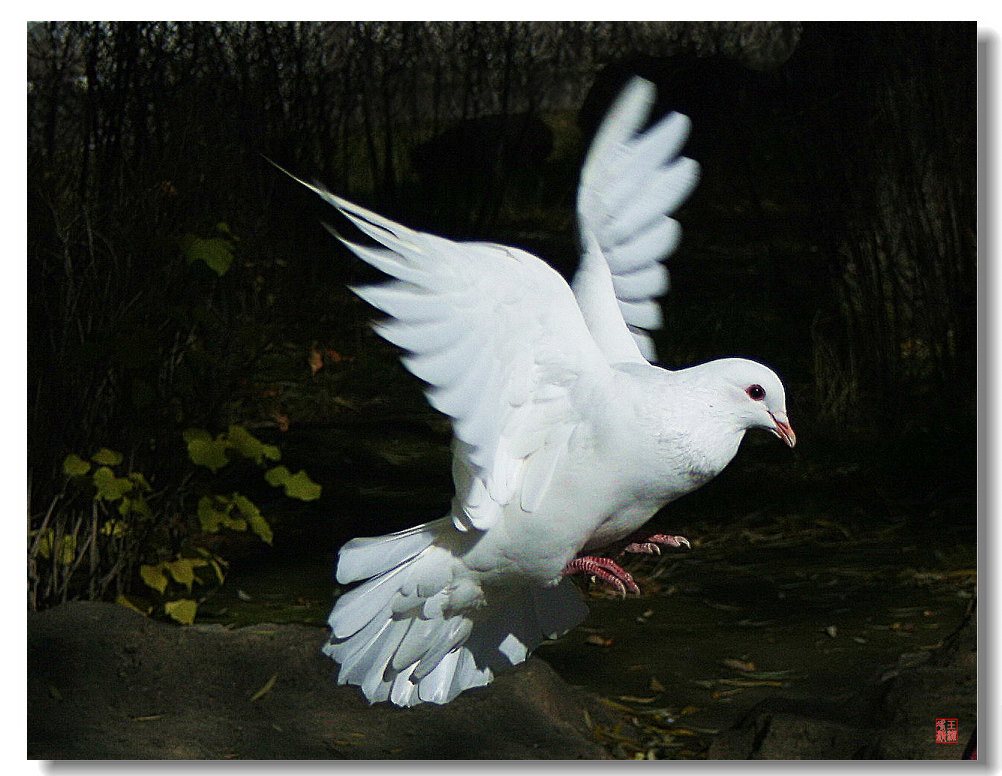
x=214 y=453
x=175 y=582
x=124 y=540
x=90 y=538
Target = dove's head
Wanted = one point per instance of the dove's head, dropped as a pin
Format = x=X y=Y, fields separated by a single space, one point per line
x=753 y=395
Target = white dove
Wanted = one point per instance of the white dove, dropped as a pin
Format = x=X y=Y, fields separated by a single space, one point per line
x=567 y=439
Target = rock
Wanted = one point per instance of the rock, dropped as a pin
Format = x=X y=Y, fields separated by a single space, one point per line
x=785 y=729
x=106 y=682
x=892 y=718
x=911 y=698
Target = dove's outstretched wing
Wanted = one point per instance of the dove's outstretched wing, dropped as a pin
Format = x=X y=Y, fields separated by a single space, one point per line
x=631 y=182
x=500 y=341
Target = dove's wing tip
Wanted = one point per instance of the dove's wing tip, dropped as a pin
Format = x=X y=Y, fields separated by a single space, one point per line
x=343 y=205
x=637 y=84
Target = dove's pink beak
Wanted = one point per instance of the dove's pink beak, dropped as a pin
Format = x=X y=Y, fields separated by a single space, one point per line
x=783 y=428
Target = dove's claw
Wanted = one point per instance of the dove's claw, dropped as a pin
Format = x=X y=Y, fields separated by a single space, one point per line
x=642 y=548
x=605 y=570
x=652 y=544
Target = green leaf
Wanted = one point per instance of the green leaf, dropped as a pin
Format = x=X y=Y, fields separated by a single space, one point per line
x=75 y=466
x=45 y=543
x=216 y=252
x=112 y=527
x=68 y=551
x=208 y=453
x=249 y=446
x=141 y=507
x=201 y=558
x=302 y=487
x=107 y=457
x=277 y=476
x=109 y=487
x=140 y=480
x=154 y=576
x=297 y=485
x=253 y=517
x=213 y=514
x=206 y=558
x=135 y=505
x=183 y=571
x=220 y=574
x=195 y=433
x=134 y=602
x=209 y=516
x=183 y=610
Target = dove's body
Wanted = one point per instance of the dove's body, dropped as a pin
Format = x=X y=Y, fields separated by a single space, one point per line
x=619 y=468
x=566 y=438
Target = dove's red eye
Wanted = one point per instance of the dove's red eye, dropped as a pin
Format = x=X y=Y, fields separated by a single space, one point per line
x=756 y=392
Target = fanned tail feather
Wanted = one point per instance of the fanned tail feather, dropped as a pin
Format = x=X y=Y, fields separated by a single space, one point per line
x=416 y=631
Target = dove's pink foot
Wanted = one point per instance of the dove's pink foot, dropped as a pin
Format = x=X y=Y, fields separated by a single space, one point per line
x=605 y=570
x=652 y=544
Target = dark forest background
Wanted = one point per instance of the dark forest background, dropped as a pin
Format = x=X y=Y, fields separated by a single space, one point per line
x=177 y=280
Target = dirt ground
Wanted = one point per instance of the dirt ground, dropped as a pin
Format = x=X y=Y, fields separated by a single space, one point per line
x=106 y=683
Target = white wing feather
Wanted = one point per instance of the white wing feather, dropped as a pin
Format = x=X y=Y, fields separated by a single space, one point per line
x=498 y=337
x=630 y=184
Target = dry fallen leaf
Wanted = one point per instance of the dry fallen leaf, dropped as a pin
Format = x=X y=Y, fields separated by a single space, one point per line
x=335 y=357
x=265 y=689
x=282 y=420
x=751 y=683
x=316 y=360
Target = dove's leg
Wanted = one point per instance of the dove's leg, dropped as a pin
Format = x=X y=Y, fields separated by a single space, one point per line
x=603 y=569
x=651 y=545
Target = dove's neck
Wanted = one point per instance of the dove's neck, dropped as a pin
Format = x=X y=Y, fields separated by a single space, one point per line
x=684 y=439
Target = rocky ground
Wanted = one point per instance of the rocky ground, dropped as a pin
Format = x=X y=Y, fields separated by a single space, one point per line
x=890 y=718
x=105 y=682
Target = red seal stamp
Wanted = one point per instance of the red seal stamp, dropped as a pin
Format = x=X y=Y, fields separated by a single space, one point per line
x=946 y=731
